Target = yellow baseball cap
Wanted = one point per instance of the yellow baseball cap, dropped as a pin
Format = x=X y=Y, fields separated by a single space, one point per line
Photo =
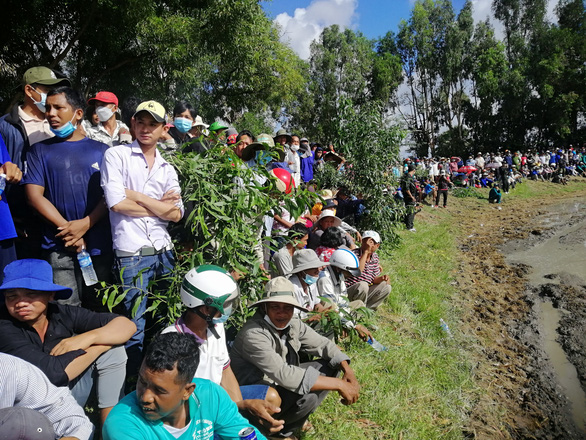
x=155 y=109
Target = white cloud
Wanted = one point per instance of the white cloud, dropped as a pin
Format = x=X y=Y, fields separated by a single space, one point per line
x=482 y=9
x=307 y=23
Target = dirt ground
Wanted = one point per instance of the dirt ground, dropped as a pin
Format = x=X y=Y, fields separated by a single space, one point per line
x=518 y=396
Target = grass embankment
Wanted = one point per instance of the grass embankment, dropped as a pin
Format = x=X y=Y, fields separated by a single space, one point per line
x=423 y=386
x=417 y=389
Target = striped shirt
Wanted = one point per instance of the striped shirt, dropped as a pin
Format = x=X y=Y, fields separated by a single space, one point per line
x=23 y=384
x=370 y=272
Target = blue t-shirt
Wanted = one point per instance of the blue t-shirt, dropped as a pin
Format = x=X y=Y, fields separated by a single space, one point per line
x=70 y=174
x=6 y=224
x=210 y=411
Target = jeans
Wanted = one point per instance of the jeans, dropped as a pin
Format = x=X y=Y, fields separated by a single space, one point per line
x=66 y=272
x=138 y=274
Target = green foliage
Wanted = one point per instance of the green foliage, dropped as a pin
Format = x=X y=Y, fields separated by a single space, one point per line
x=328 y=176
x=469 y=192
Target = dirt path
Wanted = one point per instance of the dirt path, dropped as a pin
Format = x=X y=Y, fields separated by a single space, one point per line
x=519 y=394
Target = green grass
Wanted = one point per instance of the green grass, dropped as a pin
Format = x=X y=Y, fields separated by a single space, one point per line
x=423 y=387
x=418 y=389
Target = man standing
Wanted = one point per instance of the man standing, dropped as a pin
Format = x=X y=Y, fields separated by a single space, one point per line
x=109 y=130
x=21 y=128
x=62 y=185
x=143 y=195
x=409 y=190
x=296 y=166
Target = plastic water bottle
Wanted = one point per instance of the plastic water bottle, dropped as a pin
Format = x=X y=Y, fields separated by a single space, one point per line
x=376 y=345
x=2 y=184
x=446 y=329
x=87 y=268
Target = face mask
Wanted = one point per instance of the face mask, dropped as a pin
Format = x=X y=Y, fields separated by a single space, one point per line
x=267 y=319
x=222 y=319
x=309 y=280
x=104 y=113
x=262 y=158
x=182 y=124
x=40 y=104
x=65 y=130
x=294 y=147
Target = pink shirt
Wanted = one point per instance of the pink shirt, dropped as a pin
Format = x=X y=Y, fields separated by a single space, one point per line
x=125 y=167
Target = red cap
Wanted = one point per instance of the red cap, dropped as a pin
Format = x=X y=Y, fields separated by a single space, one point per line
x=107 y=97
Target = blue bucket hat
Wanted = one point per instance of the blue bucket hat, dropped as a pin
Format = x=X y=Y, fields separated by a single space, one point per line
x=34 y=275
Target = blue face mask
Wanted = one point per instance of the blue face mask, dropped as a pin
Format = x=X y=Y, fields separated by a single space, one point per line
x=65 y=130
x=309 y=280
x=42 y=103
x=183 y=124
x=222 y=319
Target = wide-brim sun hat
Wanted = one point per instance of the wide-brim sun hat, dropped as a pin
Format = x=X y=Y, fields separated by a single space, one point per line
x=280 y=290
x=32 y=274
x=328 y=213
x=305 y=259
x=263 y=141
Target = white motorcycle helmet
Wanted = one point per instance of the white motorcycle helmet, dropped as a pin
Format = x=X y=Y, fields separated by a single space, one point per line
x=211 y=286
x=346 y=260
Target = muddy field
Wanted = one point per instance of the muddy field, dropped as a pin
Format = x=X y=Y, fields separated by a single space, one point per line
x=523 y=302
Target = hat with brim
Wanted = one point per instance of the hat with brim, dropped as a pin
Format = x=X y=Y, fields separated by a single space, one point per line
x=283 y=132
x=44 y=76
x=218 y=126
x=263 y=141
x=107 y=97
x=280 y=290
x=333 y=157
x=305 y=259
x=199 y=122
x=327 y=213
x=156 y=110
x=32 y=274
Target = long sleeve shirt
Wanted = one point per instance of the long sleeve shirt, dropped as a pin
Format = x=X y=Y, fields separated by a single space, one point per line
x=24 y=385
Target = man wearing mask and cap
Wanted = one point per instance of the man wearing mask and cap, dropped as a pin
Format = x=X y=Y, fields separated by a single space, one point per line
x=24 y=126
x=62 y=185
x=267 y=351
x=109 y=130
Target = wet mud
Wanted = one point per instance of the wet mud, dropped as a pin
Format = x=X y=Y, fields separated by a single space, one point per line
x=523 y=301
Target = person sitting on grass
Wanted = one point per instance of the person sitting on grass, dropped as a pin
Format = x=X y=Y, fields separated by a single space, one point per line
x=494 y=195
x=304 y=276
x=210 y=294
x=332 y=286
x=268 y=348
x=282 y=260
x=370 y=286
x=169 y=403
x=73 y=346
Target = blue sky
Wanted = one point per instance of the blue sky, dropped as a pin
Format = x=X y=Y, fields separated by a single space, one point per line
x=302 y=21
x=374 y=17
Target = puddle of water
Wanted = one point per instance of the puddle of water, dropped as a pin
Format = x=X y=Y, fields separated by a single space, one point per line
x=566 y=373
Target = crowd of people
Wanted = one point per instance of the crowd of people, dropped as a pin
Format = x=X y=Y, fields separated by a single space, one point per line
x=88 y=178
x=498 y=172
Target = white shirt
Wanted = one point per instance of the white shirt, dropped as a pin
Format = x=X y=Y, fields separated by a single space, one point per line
x=125 y=167
x=213 y=353
x=24 y=385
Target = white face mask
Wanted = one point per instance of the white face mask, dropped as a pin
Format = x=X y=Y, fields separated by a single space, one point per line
x=40 y=104
x=294 y=147
x=104 y=113
x=267 y=319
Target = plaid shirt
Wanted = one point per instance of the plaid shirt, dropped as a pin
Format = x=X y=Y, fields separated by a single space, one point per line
x=370 y=272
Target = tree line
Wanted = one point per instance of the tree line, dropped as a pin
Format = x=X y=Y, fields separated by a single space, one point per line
x=451 y=83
